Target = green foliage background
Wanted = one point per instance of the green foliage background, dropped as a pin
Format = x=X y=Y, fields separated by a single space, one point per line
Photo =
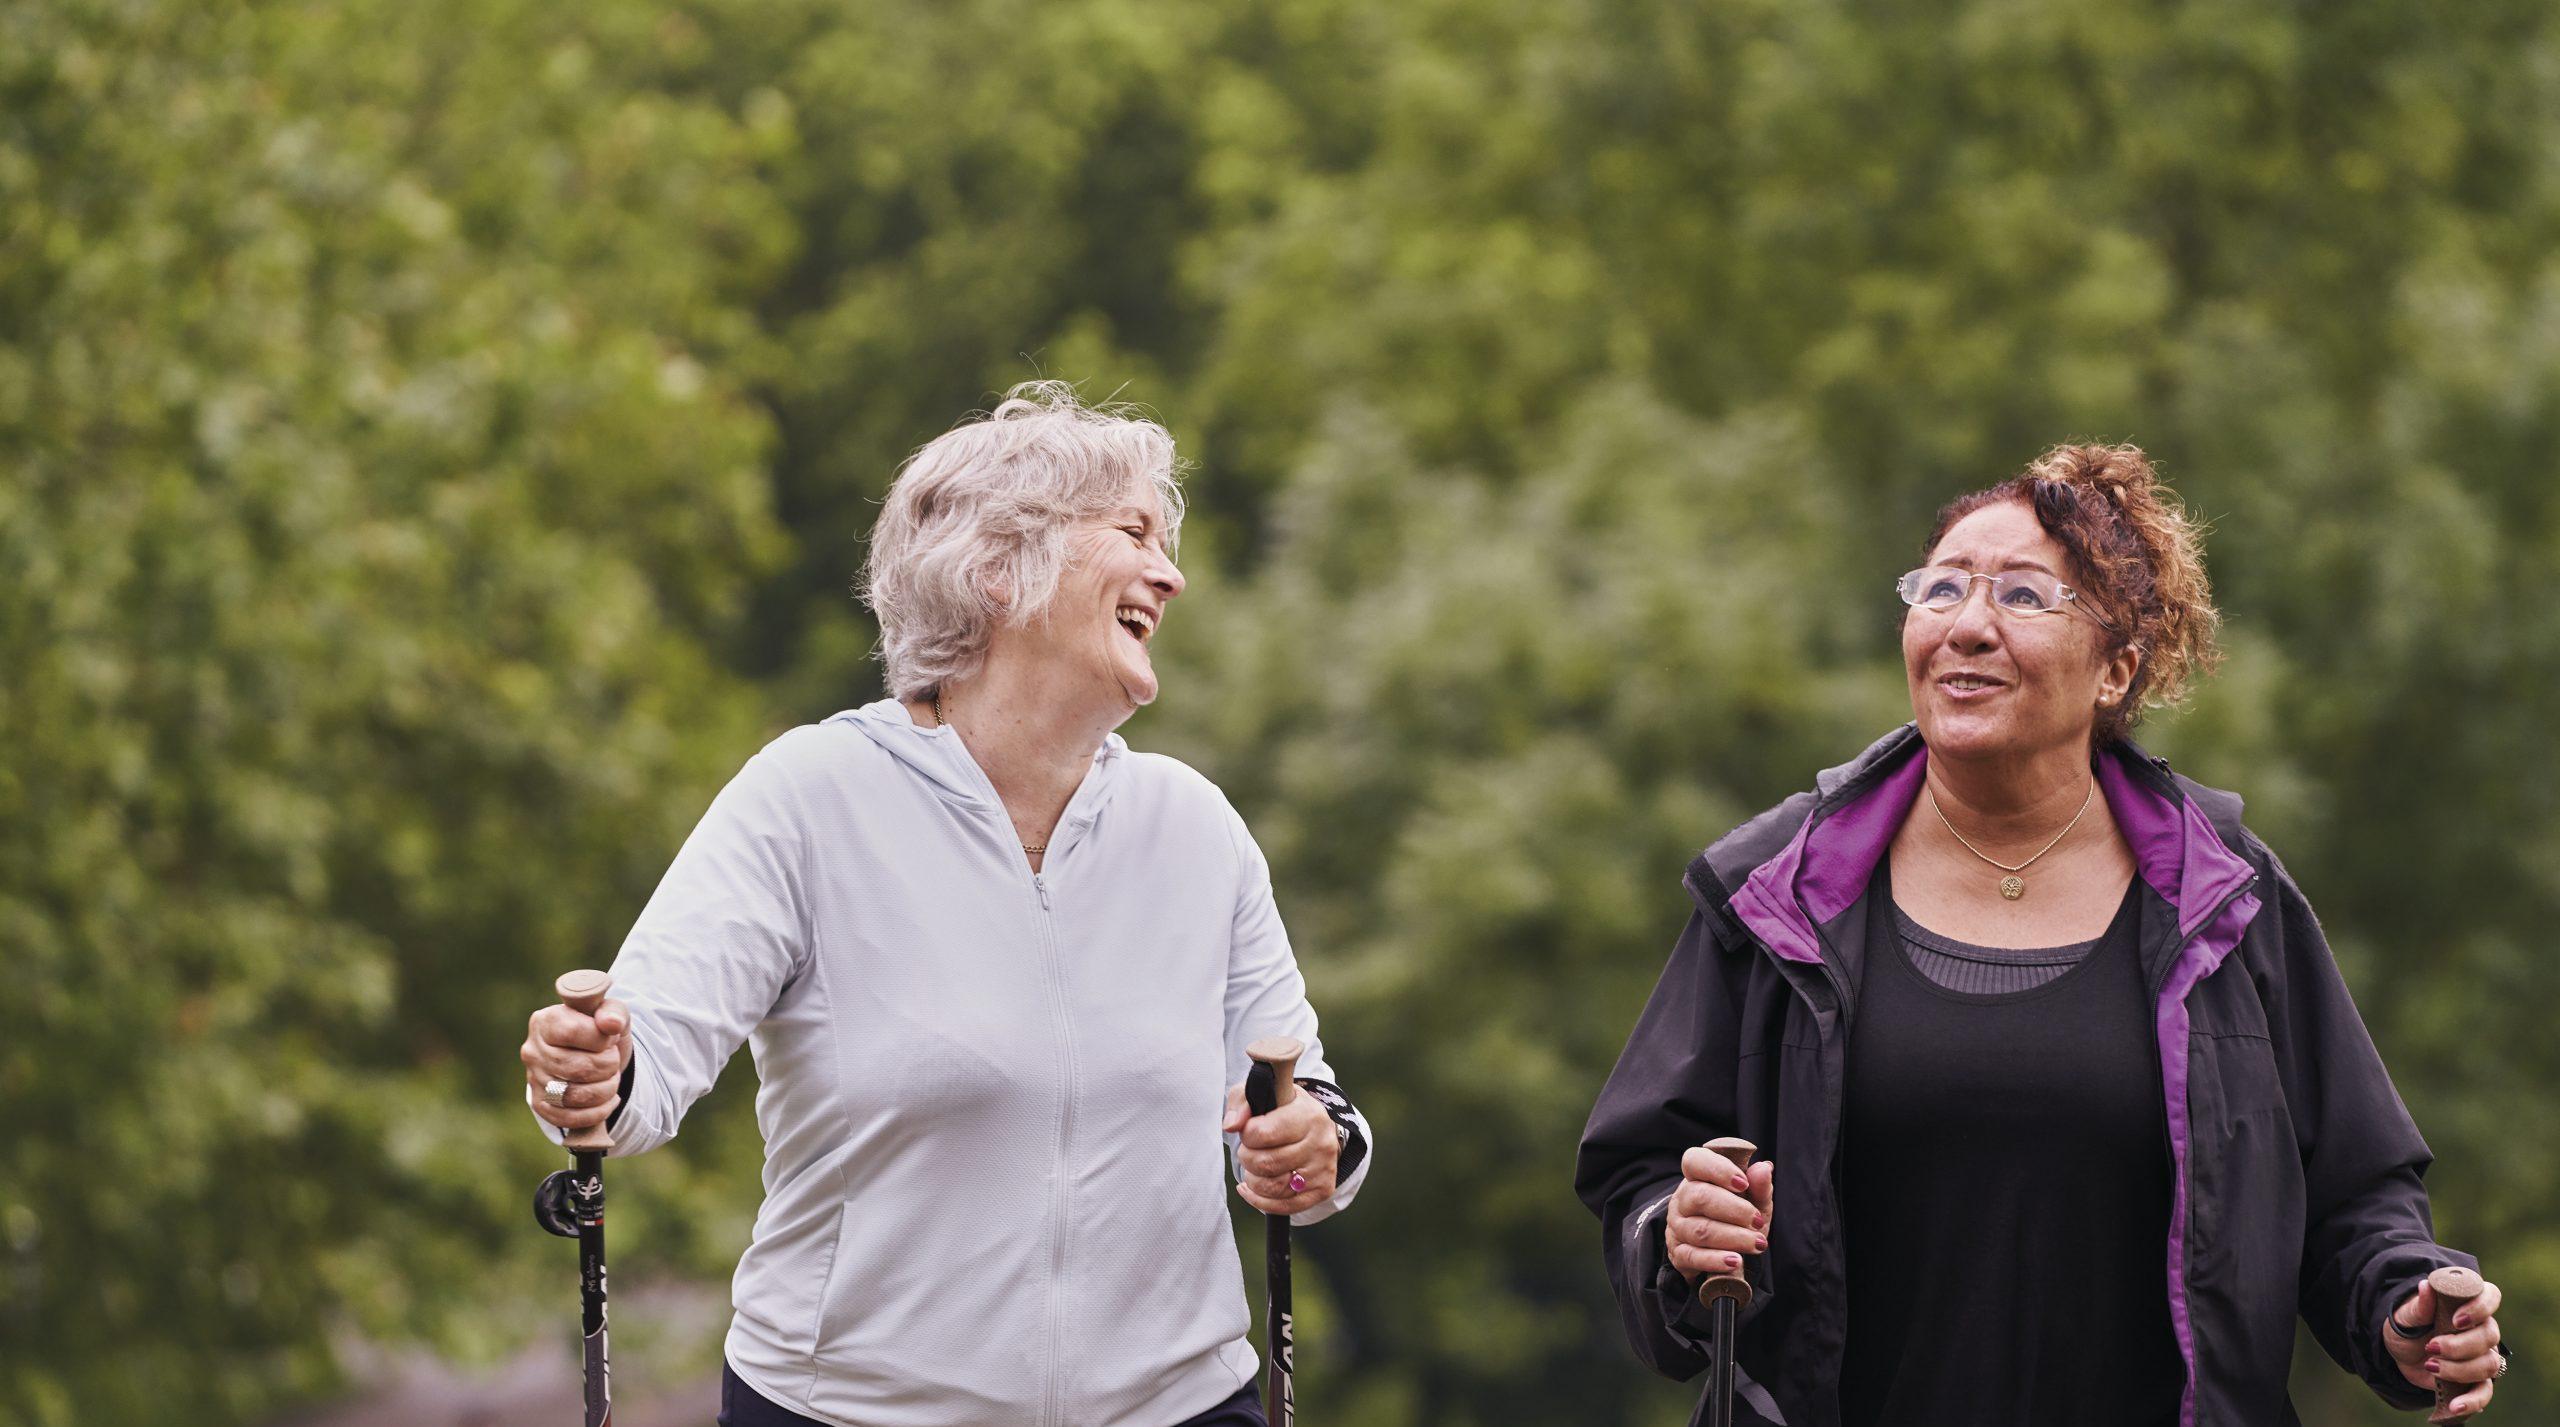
x=438 y=440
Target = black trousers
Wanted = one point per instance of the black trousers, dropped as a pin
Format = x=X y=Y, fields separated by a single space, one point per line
x=743 y=1406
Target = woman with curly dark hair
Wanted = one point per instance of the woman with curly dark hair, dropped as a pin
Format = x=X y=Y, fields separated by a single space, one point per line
x=2067 y=1106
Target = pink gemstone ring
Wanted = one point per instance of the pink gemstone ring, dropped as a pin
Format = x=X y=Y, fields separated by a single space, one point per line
x=1297 y=1182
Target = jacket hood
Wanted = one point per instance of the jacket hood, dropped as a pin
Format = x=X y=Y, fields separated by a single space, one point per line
x=939 y=757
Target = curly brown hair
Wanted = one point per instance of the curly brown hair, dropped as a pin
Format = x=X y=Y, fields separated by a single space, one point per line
x=2139 y=558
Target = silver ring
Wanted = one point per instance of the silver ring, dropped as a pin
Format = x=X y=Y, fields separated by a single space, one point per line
x=555 y=1093
x=2501 y=1369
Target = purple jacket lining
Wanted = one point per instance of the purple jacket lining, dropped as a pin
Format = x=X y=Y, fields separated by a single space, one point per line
x=1824 y=869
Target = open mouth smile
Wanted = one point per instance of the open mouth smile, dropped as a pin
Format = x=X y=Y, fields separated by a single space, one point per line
x=1969 y=686
x=1140 y=623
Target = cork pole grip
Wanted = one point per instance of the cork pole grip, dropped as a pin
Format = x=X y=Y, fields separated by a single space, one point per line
x=2456 y=1289
x=1729 y=1285
x=583 y=992
x=1281 y=1054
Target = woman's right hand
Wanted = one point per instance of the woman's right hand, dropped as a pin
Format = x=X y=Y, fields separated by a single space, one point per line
x=1718 y=1214
x=586 y=1051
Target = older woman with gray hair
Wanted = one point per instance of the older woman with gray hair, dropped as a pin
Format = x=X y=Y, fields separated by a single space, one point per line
x=998 y=972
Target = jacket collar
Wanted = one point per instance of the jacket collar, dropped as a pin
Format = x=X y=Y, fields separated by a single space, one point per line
x=1731 y=860
x=1845 y=825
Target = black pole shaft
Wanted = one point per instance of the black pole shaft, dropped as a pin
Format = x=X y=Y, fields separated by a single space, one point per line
x=1280 y=1401
x=1281 y=1409
x=1720 y=1370
x=586 y=1190
x=1725 y=1293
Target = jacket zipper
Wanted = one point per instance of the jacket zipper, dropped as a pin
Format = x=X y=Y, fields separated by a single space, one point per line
x=1053 y=1405
x=2235 y=894
x=2190 y=1402
x=1837 y=1087
x=1837 y=1093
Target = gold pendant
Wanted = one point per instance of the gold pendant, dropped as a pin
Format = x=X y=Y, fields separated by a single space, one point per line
x=2013 y=887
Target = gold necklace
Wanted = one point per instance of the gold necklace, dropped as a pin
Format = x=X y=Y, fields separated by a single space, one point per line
x=940 y=721
x=2014 y=886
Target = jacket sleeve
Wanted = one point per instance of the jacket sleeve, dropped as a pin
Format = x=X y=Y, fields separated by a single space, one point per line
x=1266 y=996
x=1673 y=1088
x=720 y=938
x=2369 y=1238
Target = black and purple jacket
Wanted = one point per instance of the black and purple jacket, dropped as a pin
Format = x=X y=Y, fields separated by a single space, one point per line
x=2297 y=1169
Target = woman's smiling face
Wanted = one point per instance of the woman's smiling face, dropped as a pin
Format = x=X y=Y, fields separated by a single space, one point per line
x=1112 y=599
x=1987 y=683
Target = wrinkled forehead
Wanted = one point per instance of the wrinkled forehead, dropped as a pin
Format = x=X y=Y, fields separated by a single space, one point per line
x=1140 y=495
x=2005 y=536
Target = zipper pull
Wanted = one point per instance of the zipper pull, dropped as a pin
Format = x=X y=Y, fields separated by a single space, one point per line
x=1042 y=884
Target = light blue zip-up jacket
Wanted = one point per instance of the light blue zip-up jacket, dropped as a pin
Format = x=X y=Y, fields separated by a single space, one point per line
x=994 y=1184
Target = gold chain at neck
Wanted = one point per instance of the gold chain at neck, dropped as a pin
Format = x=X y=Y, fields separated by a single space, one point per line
x=2012 y=886
x=942 y=722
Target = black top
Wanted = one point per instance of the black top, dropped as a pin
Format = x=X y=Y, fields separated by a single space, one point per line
x=1961 y=966
x=2006 y=1182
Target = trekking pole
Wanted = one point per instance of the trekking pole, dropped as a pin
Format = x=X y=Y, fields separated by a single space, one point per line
x=1725 y=1295
x=570 y=1203
x=1270 y=1084
x=2455 y=1289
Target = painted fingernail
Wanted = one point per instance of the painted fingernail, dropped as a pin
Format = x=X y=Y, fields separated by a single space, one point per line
x=1760 y=1245
x=2434 y=1366
x=1759 y=1221
x=1741 y=1185
x=2462 y=1320
x=1733 y=1260
x=2435 y=1345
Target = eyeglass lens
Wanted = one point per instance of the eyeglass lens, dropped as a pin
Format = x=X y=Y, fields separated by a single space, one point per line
x=2017 y=591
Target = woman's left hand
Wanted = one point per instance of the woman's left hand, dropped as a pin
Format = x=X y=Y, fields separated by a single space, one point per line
x=1298 y=1138
x=2468 y=1355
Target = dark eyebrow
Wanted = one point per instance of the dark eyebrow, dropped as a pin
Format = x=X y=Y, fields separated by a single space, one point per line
x=1966 y=562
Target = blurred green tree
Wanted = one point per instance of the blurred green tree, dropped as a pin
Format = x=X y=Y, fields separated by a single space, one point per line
x=406 y=409
x=377 y=497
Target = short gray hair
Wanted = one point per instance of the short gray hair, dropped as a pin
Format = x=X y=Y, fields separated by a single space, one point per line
x=975 y=527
